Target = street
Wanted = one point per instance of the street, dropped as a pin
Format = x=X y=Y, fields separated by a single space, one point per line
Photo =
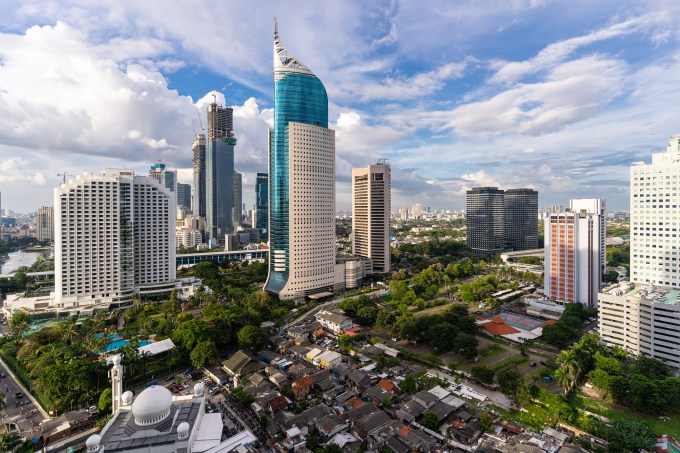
x=18 y=409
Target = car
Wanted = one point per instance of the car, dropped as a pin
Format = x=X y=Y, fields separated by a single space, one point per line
x=18 y=395
x=542 y=362
x=184 y=386
x=93 y=409
x=2 y=374
x=532 y=364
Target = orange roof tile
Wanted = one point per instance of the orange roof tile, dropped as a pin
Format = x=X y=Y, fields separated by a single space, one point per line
x=549 y=322
x=386 y=385
x=404 y=431
x=499 y=329
x=305 y=381
x=355 y=402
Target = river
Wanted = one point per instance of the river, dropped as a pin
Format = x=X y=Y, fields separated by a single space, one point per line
x=18 y=259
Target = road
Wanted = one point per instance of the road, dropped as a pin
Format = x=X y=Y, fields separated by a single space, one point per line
x=21 y=410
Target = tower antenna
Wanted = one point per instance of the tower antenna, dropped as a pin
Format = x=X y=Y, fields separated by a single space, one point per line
x=63 y=176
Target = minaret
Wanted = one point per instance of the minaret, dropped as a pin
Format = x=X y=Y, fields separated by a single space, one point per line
x=116 y=375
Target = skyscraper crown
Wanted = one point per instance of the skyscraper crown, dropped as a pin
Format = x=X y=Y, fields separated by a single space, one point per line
x=284 y=61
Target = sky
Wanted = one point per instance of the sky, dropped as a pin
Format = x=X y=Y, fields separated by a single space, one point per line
x=558 y=96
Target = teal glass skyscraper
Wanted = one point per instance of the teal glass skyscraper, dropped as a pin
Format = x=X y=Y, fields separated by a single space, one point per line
x=301 y=182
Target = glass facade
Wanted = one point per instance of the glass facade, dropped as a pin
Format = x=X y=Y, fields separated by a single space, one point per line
x=262 y=201
x=300 y=98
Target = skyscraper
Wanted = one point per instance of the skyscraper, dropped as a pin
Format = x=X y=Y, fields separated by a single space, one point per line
x=219 y=173
x=184 y=195
x=485 y=219
x=198 y=149
x=114 y=236
x=416 y=211
x=167 y=178
x=521 y=219
x=655 y=211
x=403 y=213
x=575 y=252
x=371 y=215
x=262 y=202
x=45 y=223
x=302 y=184
x=238 y=198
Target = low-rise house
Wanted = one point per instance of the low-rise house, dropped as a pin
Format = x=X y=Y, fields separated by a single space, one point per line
x=328 y=359
x=300 y=351
x=279 y=379
x=425 y=398
x=305 y=419
x=441 y=410
x=378 y=437
x=242 y=363
x=417 y=439
x=334 y=322
x=278 y=403
x=330 y=424
x=359 y=380
x=376 y=394
x=298 y=370
x=346 y=441
x=389 y=386
x=302 y=387
x=217 y=375
x=341 y=371
x=468 y=433
x=361 y=411
x=410 y=411
x=370 y=423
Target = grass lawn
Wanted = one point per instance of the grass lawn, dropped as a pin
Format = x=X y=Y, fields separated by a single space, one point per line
x=667 y=425
x=492 y=350
x=515 y=361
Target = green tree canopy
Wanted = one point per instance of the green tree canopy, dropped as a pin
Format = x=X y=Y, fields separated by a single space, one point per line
x=251 y=337
x=203 y=354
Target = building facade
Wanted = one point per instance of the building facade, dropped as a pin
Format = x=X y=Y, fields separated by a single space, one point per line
x=642 y=320
x=219 y=173
x=114 y=236
x=167 y=178
x=261 y=202
x=574 y=254
x=184 y=196
x=44 y=223
x=188 y=237
x=485 y=219
x=371 y=215
x=655 y=218
x=302 y=182
x=198 y=148
x=521 y=219
x=237 y=212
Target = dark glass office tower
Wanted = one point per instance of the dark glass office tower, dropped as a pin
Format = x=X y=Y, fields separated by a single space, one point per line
x=484 y=216
x=521 y=219
x=262 y=202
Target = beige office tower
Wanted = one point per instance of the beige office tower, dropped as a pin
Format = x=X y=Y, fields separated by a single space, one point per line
x=45 y=223
x=371 y=215
x=114 y=236
x=403 y=213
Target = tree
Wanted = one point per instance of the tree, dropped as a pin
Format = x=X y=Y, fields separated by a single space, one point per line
x=482 y=374
x=191 y=332
x=9 y=441
x=630 y=436
x=565 y=380
x=105 y=400
x=332 y=448
x=384 y=319
x=511 y=383
x=244 y=398
x=442 y=336
x=486 y=422
x=251 y=337
x=409 y=384
x=430 y=420
x=366 y=315
x=466 y=345
x=18 y=321
x=204 y=353
x=345 y=342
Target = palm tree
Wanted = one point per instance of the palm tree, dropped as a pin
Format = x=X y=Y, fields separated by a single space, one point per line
x=563 y=378
x=9 y=441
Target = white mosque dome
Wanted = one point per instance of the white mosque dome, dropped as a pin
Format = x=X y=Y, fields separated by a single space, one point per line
x=92 y=442
x=183 y=430
x=152 y=405
x=199 y=389
x=126 y=398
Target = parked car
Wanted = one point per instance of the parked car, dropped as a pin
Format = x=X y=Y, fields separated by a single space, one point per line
x=532 y=364
x=18 y=395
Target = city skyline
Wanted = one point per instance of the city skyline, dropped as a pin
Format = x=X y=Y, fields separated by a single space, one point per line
x=570 y=95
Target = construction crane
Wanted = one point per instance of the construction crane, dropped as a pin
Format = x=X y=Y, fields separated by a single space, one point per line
x=63 y=176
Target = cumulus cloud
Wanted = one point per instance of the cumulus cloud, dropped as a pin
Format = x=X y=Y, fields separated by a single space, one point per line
x=14 y=170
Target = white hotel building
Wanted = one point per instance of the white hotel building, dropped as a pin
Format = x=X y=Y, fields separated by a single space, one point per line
x=114 y=236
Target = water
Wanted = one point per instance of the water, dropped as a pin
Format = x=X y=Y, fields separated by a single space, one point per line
x=18 y=259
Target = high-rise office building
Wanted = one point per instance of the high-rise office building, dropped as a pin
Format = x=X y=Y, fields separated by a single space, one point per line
x=521 y=219
x=184 y=195
x=485 y=219
x=416 y=211
x=44 y=223
x=575 y=252
x=261 y=202
x=114 y=236
x=403 y=213
x=302 y=182
x=238 y=198
x=198 y=148
x=167 y=178
x=654 y=218
x=219 y=173
x=371 y=215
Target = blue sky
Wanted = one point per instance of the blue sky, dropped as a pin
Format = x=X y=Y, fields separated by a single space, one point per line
x=558 y=96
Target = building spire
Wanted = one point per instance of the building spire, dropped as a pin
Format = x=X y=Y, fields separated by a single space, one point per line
x=284 y=61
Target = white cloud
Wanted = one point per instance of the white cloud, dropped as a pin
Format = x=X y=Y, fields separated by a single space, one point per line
x=13 y=170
